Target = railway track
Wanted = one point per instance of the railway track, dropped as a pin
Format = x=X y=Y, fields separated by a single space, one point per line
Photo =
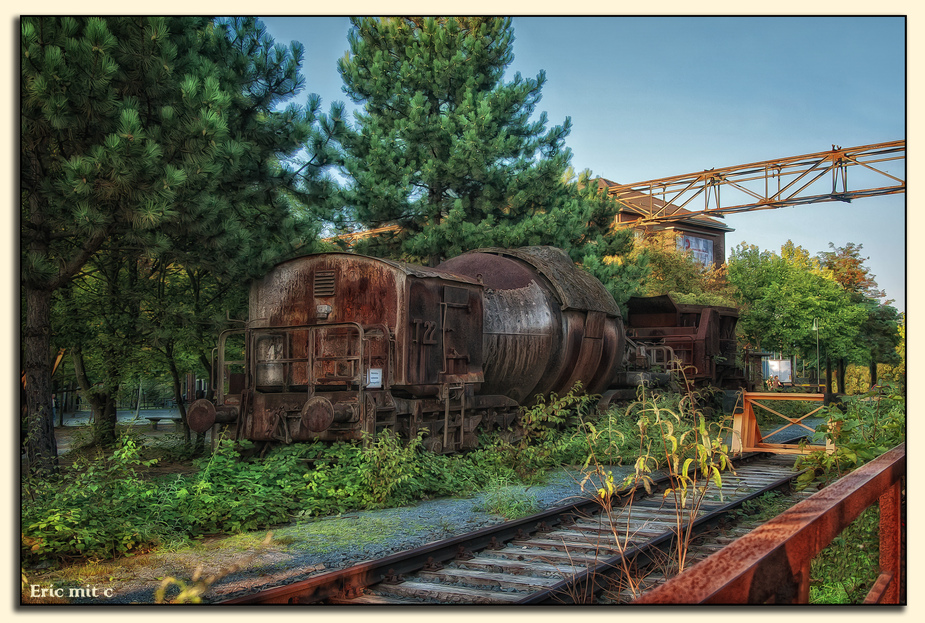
x=574 y=554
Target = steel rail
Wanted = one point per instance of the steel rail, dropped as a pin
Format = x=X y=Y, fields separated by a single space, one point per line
x=582 y=587
x=350 y=582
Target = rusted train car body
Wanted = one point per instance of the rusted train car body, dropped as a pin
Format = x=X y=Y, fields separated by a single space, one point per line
x=547 y=323
x=698 y=339
x=340 y=346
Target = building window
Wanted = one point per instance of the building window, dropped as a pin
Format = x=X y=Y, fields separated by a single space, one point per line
x=701 y=248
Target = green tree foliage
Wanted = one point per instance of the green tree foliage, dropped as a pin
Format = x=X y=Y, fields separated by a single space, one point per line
x=879 y=335
x=95 y=318
x=901 y=353
x=608 y=254
x=452 y=154
x=677 y=272
x=89 y=168
x=781 y=295
x=162 y=137
x=184 y=309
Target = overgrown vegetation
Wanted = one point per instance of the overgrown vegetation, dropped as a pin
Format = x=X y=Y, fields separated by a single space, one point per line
x=870 y=425
x=672 y=435
x=102 y=507
x=105 y=508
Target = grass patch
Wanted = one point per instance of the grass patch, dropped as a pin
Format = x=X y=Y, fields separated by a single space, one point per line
x=511 y=501
x=339 y=533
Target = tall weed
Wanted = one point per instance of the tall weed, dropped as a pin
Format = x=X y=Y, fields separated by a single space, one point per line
x=670 y=434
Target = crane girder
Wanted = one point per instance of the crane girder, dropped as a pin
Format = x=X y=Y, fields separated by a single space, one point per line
x=776 y=183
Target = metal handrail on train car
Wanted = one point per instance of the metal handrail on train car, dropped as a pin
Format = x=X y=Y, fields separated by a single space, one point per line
x=771 y=563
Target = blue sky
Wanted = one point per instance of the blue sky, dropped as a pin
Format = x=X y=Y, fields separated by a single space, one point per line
x=651 y=97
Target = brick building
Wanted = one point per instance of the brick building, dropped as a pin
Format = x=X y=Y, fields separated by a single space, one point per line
x=705 y=237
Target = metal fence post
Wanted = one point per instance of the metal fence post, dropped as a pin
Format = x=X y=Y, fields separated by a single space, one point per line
x=887 y=588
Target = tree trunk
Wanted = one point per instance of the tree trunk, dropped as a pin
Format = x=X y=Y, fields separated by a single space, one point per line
x=178 y=396
x=104 y=424
x=873 y=371
x=841 y=375
x=71 y=398
x=435 y=198
x=102 y=404
x=41 y=448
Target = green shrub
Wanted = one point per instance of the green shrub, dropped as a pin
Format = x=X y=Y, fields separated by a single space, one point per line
x=845 y=571
x=231 y=494
x=104 y=509
x=390 y=471
x=862 y=429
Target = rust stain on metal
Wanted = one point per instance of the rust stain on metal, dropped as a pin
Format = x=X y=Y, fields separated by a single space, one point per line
x=340 y=346
x=770 y=564
x=547 y=323
x=701 y=337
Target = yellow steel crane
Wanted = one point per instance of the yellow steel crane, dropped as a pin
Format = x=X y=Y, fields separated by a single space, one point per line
x=777 y=183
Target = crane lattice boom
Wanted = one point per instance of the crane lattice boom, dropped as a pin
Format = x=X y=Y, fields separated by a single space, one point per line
x=769 y=184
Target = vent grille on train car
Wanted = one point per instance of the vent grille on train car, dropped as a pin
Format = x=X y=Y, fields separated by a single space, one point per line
x=324 y=283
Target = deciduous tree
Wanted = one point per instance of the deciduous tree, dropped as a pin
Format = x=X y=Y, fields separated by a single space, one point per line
x=879 y=334
x=848 y=269
x=781 y=296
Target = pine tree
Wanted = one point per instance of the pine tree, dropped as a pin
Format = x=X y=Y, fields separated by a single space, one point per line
x=155 y=135
x=451 y=153
x=89 y=169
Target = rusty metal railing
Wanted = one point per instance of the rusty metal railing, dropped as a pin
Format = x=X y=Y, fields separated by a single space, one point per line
x=771 y=563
